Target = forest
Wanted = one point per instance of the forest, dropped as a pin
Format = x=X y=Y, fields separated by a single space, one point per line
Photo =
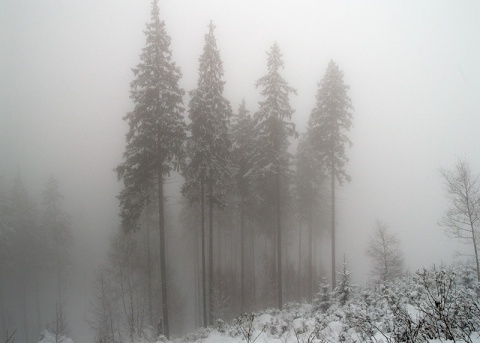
x=235 y=223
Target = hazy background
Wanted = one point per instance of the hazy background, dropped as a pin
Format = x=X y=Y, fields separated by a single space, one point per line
x=413 y=68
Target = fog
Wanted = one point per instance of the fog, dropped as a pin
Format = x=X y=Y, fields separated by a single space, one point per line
x=413 y=70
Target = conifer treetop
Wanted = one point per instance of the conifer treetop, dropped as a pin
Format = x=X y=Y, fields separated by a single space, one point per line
x=273 y=123
x=156 y=125
x=275 y=89
x=330 y=119
x=209 y=112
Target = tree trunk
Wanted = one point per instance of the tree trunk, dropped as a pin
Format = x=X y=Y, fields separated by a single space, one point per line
x=149 y=265
x=474 y=239
x=210 y=251
x=310 y=256
x=37 y=303
x=242 y=256
x=334 y=281
x=279 y=241
x=300 y=261
x=2 y=309
x=204 y=270
x=25 y=310
x=254 y=290
x=163 y=269
x=196 y=277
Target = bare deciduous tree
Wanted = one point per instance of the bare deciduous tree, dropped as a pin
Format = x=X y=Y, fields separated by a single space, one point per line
x=461 y=219
x=384 y=249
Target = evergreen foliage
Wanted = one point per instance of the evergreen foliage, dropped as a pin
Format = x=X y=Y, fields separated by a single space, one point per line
x=345 y=289
x=323 y=299
x=273 y=123
x=208 y=147
x=242 y=135
x=156 y=126
x=329 y=121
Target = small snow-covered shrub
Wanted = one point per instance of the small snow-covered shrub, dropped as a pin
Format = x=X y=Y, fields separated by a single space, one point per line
x=244 y=325
x=198 y=335
x=220 y=325
x=277 y=327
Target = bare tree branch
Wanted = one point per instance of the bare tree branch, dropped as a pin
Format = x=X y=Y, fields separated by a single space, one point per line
x=462 y=219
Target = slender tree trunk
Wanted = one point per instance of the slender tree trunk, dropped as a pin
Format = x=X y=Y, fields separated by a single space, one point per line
x=254 y=290
x=25 y=311
x=385 y=259
x=204 y=270
x=334 y=274
x=242 y=256
x=310 y=256
x=474 y=239
x=163 y=268
x=37 y=303
x=210 y=251
x=196 y=277
x=300 y=261
x=316 y=262
x=2 y=308
x=149 y=265
x=279 y=241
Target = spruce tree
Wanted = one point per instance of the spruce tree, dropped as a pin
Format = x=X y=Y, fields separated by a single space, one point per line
x=56 y=224
x=323 y=299
x=208 y=148
x=309 y=176
x=329 y=121
x=273 y=127
x=343 y=291
x=155 y=137
x=242 y=140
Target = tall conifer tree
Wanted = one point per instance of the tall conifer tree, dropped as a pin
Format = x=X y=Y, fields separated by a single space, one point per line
x=308 y=179
x=28 y=248
x=243 y=142
x=329 y=121
x=209 y=147
x=273 y=126
x=156 y=135
x=56 y=224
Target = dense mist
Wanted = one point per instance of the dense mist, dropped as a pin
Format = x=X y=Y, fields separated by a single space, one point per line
x=412 y=72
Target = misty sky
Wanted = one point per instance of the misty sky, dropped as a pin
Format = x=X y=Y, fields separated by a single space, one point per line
x=413 y=68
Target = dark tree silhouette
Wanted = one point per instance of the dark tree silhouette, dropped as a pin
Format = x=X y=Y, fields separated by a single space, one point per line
x=273 y=126
x=156 y=135
x=208 y=148
x=330 y=120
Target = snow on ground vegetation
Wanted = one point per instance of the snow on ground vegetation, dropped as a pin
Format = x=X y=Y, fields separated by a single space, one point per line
x=433 y=305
